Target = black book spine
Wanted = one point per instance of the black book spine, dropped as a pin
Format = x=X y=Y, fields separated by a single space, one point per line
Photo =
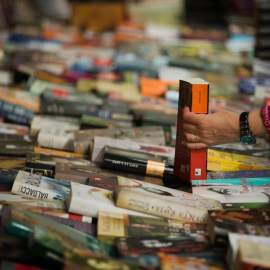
x=136 y=166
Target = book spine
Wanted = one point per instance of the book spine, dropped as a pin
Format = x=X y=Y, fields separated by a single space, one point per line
x=137 y=166
x=42 y=172
x=68 y=178
x=127 y=199
x=84 y=227
x=12 y=116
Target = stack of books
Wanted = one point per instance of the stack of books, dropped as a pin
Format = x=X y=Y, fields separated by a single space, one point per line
x=93 y=174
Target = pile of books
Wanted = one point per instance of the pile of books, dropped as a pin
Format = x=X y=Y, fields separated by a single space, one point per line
x=87 y=156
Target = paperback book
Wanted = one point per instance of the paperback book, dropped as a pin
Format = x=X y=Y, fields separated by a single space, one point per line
x=36 y=186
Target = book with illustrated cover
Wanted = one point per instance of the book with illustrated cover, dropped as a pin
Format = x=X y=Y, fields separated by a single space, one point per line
x=241 y=193
x=139 y=200
x=100 y=142
x=191 y=164
x=36 y=186
x=162 y=201
x=112 y=225
x=88 y=200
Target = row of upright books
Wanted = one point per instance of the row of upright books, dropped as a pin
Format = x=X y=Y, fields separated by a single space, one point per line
x=87 y=144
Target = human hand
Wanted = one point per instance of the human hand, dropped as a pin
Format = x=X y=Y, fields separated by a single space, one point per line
x=204 y=130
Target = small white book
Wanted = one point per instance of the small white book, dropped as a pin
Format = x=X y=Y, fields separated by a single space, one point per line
x=39 y=187
x=87 y=200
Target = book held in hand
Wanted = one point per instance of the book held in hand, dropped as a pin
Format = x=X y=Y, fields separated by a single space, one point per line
x=191 y=164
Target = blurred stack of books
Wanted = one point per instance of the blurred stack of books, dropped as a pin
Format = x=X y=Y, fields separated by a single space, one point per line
x=87 y=150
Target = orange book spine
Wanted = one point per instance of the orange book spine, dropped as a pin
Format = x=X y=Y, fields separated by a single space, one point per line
x=190 y=164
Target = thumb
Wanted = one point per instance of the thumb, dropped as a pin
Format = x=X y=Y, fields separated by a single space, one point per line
x=190 y=117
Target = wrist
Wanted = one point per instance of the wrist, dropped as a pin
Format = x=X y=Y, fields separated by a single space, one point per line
x=256 y=123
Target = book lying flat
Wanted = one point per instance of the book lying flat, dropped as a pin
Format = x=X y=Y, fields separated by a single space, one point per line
x=87 y=200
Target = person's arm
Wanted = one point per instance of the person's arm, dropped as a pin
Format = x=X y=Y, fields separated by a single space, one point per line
x=219 y=127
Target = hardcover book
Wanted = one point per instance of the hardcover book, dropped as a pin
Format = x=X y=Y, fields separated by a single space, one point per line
x=191 y=164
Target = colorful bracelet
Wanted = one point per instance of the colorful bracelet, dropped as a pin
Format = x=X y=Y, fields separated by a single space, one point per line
x=265 y=113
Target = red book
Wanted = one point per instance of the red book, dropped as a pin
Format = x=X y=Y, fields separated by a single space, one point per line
x=191 y=164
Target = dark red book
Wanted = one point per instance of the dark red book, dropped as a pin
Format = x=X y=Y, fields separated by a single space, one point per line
x=191 y=164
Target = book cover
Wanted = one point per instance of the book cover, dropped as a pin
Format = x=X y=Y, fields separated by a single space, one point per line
x=137 y=200
x=87 y=200
x=235 y=193
x=191 y=164
x=36 y=186
x=174 y=195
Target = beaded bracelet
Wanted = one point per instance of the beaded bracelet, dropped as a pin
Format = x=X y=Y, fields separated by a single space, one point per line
x=265 y=113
